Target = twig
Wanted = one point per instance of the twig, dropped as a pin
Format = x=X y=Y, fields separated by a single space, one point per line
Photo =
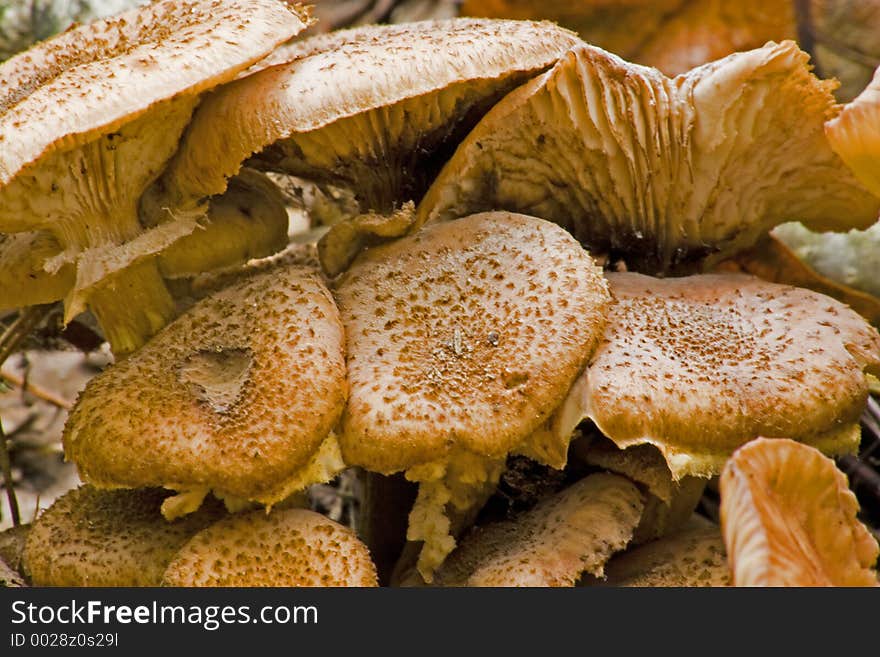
x=12 y=337
x=37 y=391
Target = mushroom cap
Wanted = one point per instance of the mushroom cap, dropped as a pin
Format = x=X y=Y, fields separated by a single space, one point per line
x=363 y=107
x=854 y=135
x=692 y=557
x=9 y=578
x=464 y=336
x=789 y=519
x=12 y=542
x=92 y=79
x=92 y=537
x=575 y=531
x=23 y=278
x=698 y=366
x=240 y=394
x=662 y=172
x=289 y=547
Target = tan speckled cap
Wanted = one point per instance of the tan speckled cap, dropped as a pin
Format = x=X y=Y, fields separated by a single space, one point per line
x=239 y=395
x=574 y=532
x=92 y=537
x=698 y=366
x=661 y=172
x=789 y=519
x=290 y=547
x=89 y=118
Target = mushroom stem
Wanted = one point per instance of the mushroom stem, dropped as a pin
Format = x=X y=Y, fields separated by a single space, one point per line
x=383 y=519
x=131 y=306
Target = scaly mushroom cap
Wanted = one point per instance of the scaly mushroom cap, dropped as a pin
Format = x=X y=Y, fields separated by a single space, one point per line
x=91 y=537
x=692 y=557
x=466 y=335
x=698 y=366
x=662 y=172
x=855 y=135
x=462 y=341
x=575 y=531
x=90 y=117
x=240 y=395
x=291 y=547
x=789 y=519
x=366 y=108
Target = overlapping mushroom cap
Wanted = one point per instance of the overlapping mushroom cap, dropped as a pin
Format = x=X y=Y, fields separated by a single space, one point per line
x=855 y=135
x=89 y=118
x=289 y=547
x=789 y=519
x=371 y=109
x=699 y=365
x=574 y=532
x=91 y=537
x=240 y=395
x=462 y=340
x=662 y=172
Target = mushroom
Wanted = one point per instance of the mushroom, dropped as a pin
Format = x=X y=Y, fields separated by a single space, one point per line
x=697 y=366
x=289 y=547
x=669 y=504
x=248 y=221
x=668 y=174
x=9 y=578
x=239 y=395
x=89 y=118
x=374 y=109
x=462 y=340
x=694 y=556
x=789 y=519
x=574 y=532
x=854 y=134
x=91 y=537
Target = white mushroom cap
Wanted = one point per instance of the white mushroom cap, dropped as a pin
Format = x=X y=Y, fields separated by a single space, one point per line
x=91 y=537
x=789 y=519
x=240 y=395
x=698 y=366
x=574 y=532
x=290 y=547
x=663 y=172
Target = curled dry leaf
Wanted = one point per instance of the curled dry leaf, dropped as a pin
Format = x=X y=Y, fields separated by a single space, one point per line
x=92 y=537
x=289 y=547
x=114 y=97
x=789 y=519
x=240 y=395
x=462 y=341
x=573 y=532
x=698 y=366
x=664 y=173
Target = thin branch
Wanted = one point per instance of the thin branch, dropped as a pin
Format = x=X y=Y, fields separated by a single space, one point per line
x=6 y=467
x=36 y=390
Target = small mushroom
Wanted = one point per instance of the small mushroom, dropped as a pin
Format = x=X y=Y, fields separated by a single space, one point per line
x=23 y=281
x=694 y=556
x=789 y=519
x=92 y=537
x=462 y=341
x=374 y=109
x=667 y=174
x=239 y=395
x=89 y=118
x=699 y=365
x=574 y=532
x=289 y=547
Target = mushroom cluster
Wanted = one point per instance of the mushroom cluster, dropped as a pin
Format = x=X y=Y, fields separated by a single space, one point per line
x=531 y=338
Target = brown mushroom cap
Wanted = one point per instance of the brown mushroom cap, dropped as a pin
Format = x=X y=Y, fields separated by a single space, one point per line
x=240 y=395
x=290 y=547
x=662 y=172
x=697 y=366
x=692 y=557
x=575 y=531
x=365 y=108
x=789 y=519
x=89 y=118
x=91 y=537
